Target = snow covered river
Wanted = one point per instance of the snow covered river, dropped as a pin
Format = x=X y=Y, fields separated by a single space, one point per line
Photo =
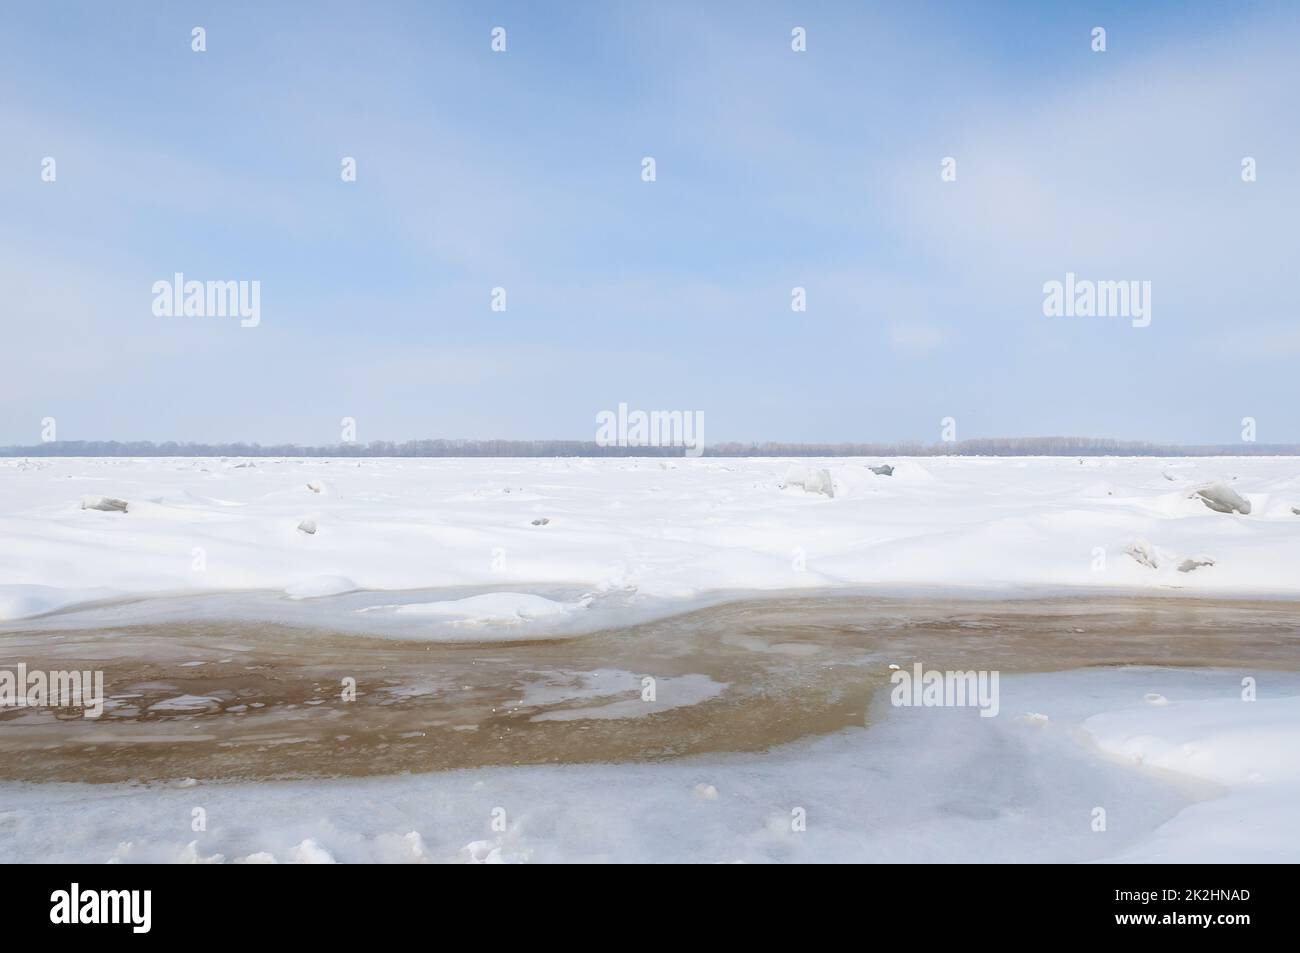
x=651 y=660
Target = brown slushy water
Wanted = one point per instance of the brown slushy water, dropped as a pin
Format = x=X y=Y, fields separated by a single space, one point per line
x=244 y=700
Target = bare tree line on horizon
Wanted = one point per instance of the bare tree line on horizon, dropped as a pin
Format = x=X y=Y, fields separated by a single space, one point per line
x=986 y=446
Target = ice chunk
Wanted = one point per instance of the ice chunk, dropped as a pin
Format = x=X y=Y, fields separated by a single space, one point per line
x=1144 y=553
x=1222 y=498
x=187 y=703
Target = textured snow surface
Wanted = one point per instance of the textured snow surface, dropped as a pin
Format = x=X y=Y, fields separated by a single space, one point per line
x=669 y=530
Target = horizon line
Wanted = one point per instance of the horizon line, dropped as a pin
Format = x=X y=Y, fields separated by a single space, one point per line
x=458 y=447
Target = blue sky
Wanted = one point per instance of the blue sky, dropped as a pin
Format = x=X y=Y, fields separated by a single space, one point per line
x=775 y=169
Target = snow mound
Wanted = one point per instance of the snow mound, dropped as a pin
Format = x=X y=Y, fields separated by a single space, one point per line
x=497 y=608
x=811 y=480
x=1226 y=740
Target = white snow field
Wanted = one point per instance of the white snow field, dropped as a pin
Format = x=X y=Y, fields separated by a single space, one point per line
x=1180 y=765
x=1204 y=776
x=669 y=530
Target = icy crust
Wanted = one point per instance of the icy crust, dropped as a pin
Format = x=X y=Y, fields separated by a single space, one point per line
x=25 y=601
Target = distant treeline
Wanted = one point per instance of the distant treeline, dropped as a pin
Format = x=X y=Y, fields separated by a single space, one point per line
x=988 y=447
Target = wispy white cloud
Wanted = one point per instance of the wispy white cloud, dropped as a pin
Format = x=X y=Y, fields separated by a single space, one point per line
x=915 y=339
